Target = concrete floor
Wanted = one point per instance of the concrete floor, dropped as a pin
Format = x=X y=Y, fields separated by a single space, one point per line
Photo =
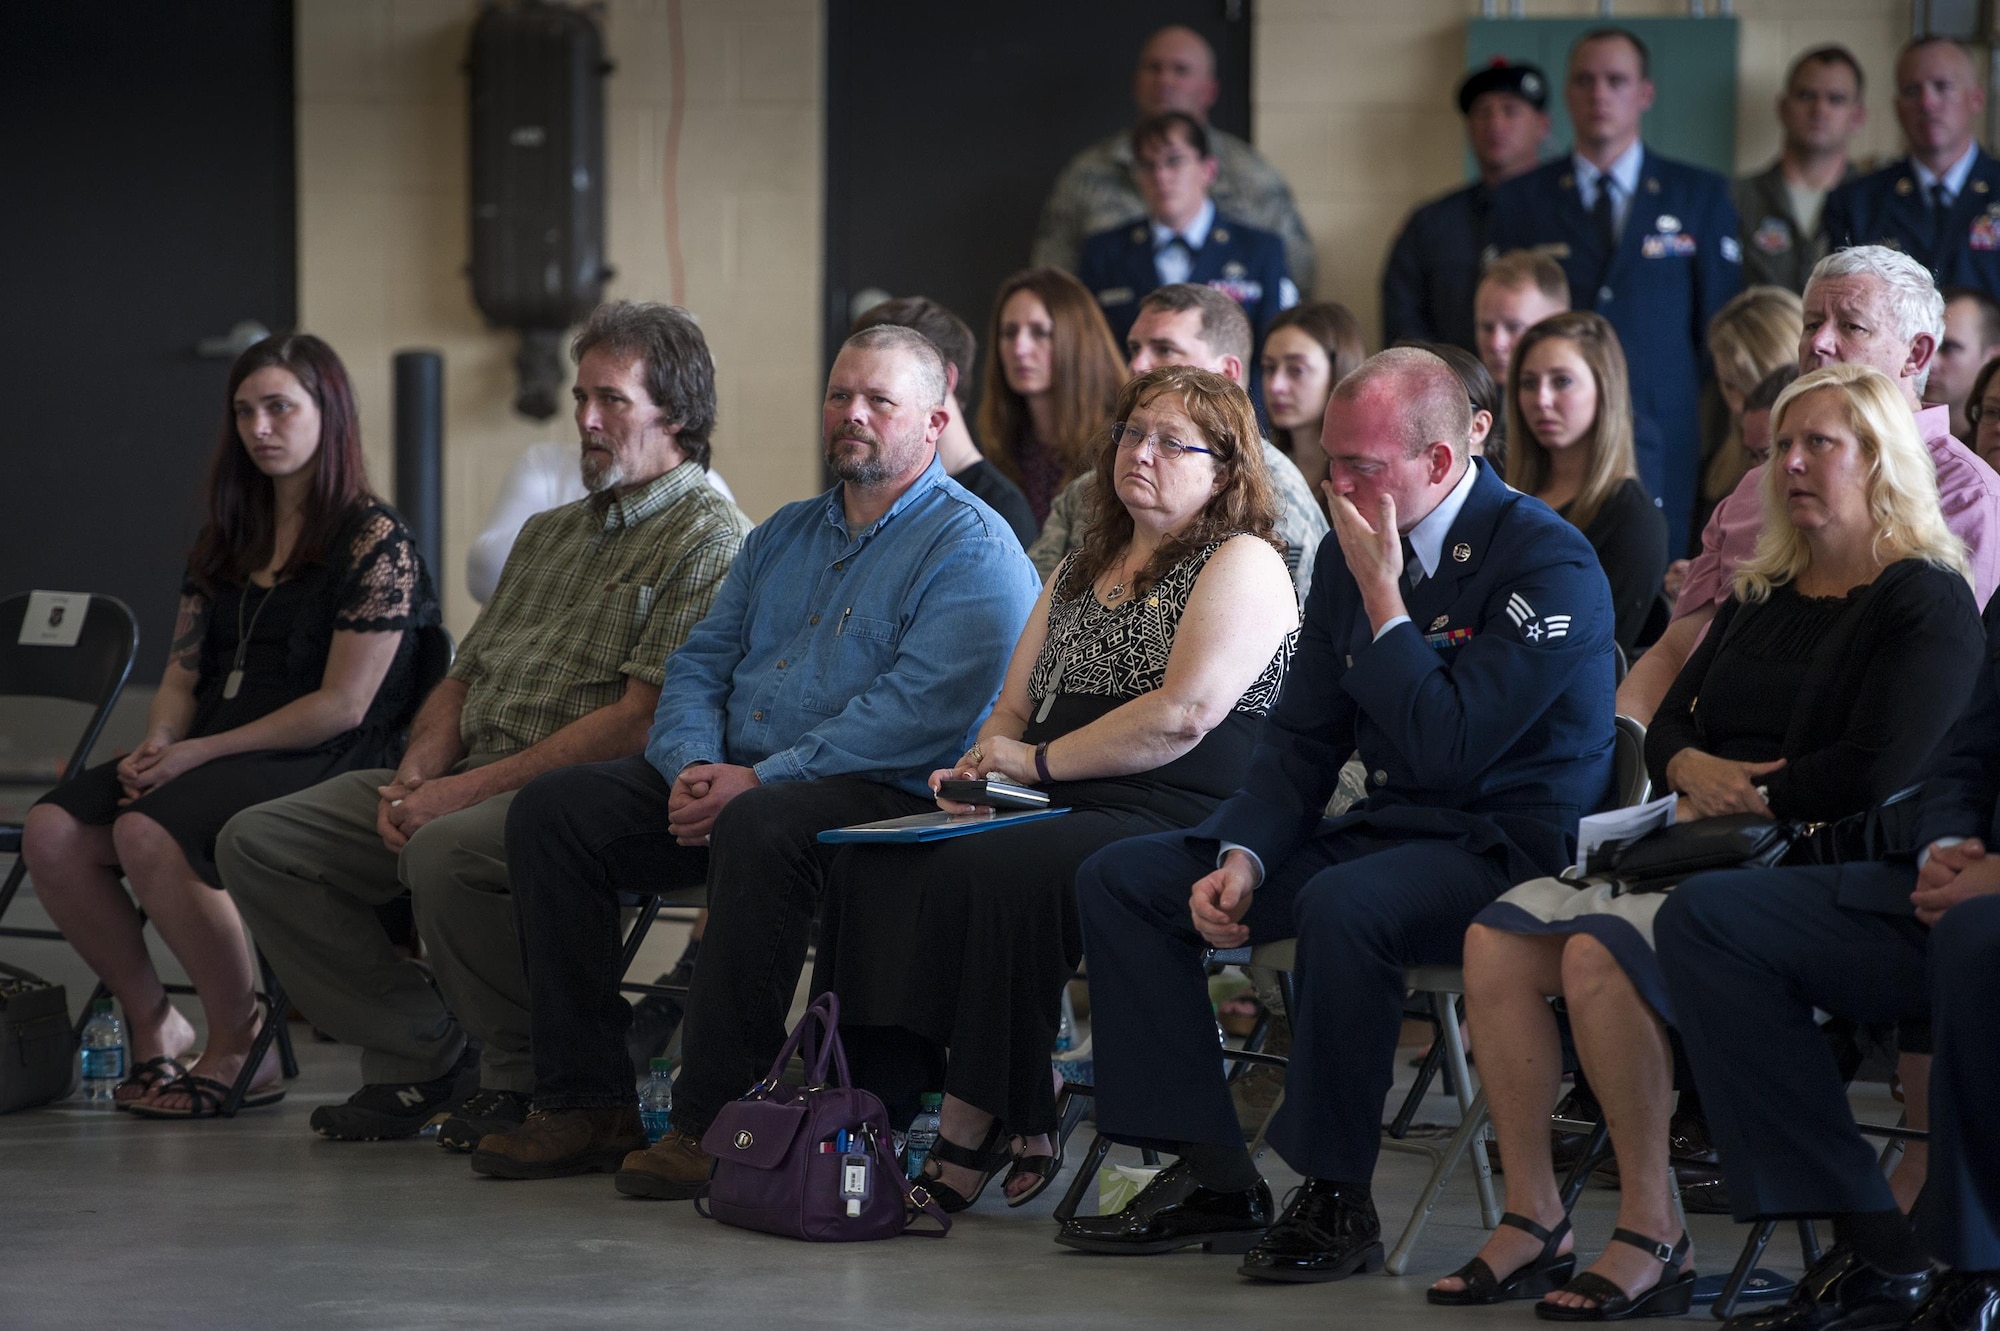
x=258 y=1223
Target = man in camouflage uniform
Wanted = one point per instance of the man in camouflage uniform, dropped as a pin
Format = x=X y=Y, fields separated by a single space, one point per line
x=1095 y=192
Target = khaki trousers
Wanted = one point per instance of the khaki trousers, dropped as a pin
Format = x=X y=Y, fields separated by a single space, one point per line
x=308 y=871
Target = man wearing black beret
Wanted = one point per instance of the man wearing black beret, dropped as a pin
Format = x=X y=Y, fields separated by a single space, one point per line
x=1433 y=269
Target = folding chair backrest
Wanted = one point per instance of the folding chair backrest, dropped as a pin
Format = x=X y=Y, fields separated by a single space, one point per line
x=434 y=654
x=1628 y=763
x=92 y=671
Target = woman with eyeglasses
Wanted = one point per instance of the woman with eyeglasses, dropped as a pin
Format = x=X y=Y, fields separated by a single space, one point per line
x=1982 y=412
x=1132 y=699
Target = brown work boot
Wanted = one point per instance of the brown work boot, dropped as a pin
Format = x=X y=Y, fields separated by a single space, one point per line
x=555 y=1143
x=674 y=1167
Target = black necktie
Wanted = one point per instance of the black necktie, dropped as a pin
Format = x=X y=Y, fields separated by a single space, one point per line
x=1940 y=213
x=1413 y=569
x=1606 y=220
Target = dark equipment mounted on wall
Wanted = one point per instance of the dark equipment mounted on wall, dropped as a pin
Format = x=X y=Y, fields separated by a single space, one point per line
x=537 y=128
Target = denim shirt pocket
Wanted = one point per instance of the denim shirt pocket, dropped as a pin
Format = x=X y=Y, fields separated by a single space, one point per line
x=862 y=649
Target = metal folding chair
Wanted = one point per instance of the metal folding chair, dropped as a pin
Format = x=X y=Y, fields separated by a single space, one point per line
x=93 y=671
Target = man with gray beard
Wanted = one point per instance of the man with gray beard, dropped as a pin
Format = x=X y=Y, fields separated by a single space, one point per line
x=854 y=649
x=563 y=666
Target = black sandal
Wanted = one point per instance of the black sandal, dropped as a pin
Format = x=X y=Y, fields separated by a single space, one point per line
x=1548 y=1271
x=147 y=1076
x=1670 y=1296
x=206 y=1097
x=988 y=1159
x=1070 y=1110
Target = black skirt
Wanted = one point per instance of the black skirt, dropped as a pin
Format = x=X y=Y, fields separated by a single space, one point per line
x=966 y=944
x=194 y=805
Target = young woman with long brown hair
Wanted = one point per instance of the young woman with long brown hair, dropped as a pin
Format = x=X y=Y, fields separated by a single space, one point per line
x=292 y=661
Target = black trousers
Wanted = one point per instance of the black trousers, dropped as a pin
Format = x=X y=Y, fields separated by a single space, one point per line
x=580 y=838
x=1363 y=909
x=1748 y=955
x=1960 y=1214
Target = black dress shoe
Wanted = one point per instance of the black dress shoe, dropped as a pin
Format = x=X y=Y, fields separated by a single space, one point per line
x=1327 y=1233
x=1961 y=1301
x=1174 y=1211
x=1842 y=1293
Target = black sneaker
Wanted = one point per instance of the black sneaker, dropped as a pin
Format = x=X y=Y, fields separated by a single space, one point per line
x=384 y=1110
x=484 y=1111
x=655 y=1018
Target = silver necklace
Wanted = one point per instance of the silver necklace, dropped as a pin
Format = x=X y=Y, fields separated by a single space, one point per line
x=233 y=683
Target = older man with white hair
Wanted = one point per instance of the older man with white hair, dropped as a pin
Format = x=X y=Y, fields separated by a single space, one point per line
x=1869 y=305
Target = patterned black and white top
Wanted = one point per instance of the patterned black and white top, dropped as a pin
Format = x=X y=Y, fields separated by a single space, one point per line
x=1120 y=652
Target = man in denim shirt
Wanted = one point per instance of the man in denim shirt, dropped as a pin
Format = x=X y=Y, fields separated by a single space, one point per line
x=854 y=648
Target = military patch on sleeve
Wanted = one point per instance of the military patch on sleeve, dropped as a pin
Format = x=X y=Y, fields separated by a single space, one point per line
x=1535 y=628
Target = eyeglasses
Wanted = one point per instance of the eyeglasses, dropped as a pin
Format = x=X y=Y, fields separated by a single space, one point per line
x=1124 y=436
x=1977 y=411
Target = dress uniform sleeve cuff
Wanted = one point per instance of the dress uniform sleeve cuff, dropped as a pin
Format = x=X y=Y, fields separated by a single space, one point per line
x=1256 y=861
x=1381 y=632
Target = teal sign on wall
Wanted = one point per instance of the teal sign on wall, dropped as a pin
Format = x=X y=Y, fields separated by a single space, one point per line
x=1694 y=78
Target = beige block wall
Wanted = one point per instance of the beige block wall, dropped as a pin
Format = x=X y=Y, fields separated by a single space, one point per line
x=1353 y=102
x=383 y=230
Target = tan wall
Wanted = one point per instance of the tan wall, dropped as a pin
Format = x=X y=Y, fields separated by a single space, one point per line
x=383 y=227
x=1354 y=104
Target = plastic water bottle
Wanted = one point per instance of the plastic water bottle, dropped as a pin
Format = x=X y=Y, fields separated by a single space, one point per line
x=656 y=1100
x=923 y=1134
x=103 y=1053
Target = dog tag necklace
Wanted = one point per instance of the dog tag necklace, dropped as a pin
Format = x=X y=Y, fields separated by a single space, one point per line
x=232 y=684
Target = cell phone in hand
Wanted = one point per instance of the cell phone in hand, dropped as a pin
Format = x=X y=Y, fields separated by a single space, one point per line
x=993 y=793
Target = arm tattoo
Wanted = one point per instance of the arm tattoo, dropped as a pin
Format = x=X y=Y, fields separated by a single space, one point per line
x=189 y=628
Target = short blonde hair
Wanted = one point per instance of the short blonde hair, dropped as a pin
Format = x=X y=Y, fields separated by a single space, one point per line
x=1755 y=333
x=1901 y=480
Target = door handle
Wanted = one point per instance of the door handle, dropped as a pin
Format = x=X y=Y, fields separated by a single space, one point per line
x=242 y=335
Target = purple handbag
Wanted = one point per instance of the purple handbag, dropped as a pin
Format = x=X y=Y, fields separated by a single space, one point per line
x=777 y=1163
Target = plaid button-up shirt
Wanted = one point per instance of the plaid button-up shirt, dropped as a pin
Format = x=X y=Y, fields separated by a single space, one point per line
x=593 y=592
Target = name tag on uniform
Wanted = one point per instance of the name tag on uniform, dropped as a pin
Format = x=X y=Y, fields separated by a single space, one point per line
x=1115 y=296
x=1449 y=638
x=1679 y=245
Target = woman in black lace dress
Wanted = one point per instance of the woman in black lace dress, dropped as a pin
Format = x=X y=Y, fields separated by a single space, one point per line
x=291 y=662
x=1133 y=698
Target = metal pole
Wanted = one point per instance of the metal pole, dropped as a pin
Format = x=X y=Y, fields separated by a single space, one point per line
x=419 y=409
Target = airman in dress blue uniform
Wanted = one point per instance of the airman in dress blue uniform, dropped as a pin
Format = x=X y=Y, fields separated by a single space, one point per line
x=1480 y=701
x=1749 y=954
x=1940 y=204
x=1182 y=238
x=1433 y=268
x=1657 y=258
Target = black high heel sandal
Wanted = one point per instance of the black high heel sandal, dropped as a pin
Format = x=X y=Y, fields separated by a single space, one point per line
x=1070 y=1110
x=1670 y=1296
x=988 y=1159
x=1549 y=1270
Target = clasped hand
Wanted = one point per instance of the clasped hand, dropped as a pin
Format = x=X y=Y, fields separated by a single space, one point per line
x=1953 y=874
x=1711 y=787
x=411 y=800
x=996 y=755
x=156 y=762
x=699 y=794
x=1219 y=901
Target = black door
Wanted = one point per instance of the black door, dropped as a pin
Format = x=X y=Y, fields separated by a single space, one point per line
x=946 y=124
x=150 y=186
